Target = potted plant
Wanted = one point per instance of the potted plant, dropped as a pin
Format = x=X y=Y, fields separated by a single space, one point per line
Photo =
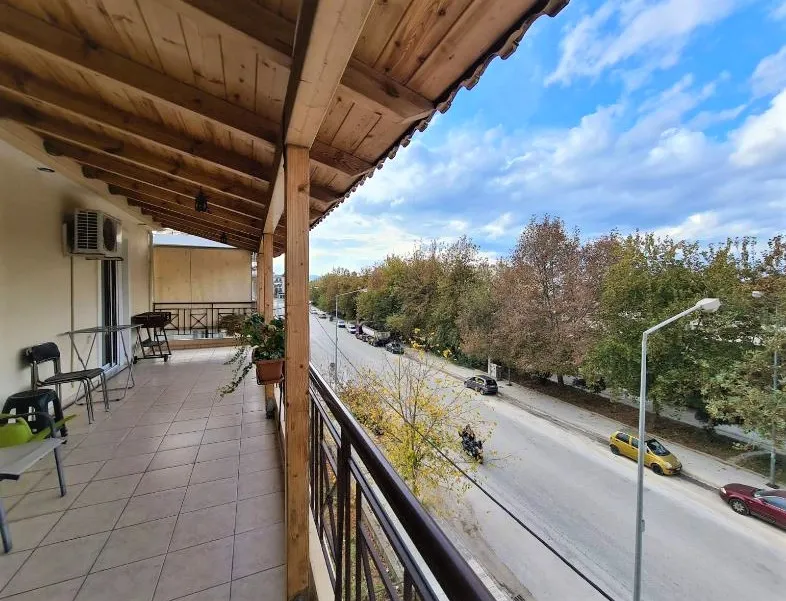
x=264 y=339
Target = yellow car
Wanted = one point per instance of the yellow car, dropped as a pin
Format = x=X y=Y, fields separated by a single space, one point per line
x=658 y=458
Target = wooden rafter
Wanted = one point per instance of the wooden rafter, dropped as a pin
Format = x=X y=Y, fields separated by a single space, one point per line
x=189 y=227
x=146 y=175
x=273 y=37
x=167 y=198
x=73 y=134
x=73 y=49
x=23 y=85
x=139 y=200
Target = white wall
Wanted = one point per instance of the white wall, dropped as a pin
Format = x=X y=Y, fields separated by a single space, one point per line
x=44 y=293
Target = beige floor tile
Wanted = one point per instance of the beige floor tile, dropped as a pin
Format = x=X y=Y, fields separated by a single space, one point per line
x=164 y=479
x=85 y=521
x=74 y=474
x=177 y=441
x=28 y=482
x=260 y=483
x=207 y=494
x=218 y=450
x=173 y=457
x=152 y=506
x=138 y=446
x=117 y=423
x=156 y=417
x=90 y=454
x=195 y=413
x=253 y=444
x=202 y=526
x=28 y=533
x=44 y=501
x=62 y=591
x=221 y=409
x=263 y=586
x=253 y=406
x=56 y=563
x=104 y=437
x=134 y=543
x=254 y=417
x=124 y=466
x=151 y=431
x=218 y=469
x=258 y=512
x=195 y=569
x=189 y=425
x=198 y=402
x=112 y=489
x=217 y=593
x=224 y=421
x=221 y=434
x=259 y=461
x=10 y=563
x=258 y=428
x=258 y=550
x=133 y=582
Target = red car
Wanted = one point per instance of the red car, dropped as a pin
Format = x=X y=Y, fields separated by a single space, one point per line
x=770 y=505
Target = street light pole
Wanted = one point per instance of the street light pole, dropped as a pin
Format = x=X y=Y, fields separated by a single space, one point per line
x=708 y=305
x=335 y=346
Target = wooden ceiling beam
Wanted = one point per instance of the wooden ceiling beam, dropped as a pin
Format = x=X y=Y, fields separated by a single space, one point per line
x=94 y=141
x=26 y=86
x=173 y=200
x=147 y=175
x=198 y=229
x=170 y=190
x=274 y=37
x=142 y=201
x=75 y=50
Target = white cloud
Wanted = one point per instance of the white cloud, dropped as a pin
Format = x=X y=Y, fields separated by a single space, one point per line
x=762 y=138
x=770 y=74
x=706 y=119
x=709 y=226
x=499 y=227
x=652 y=33
x=779 y=12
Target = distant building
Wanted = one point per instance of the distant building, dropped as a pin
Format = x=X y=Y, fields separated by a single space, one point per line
x=278 y=285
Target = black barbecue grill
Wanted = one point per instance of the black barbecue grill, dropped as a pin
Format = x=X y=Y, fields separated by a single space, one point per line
x=153 y=325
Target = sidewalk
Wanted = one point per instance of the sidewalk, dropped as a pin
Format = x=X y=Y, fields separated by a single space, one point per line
x=700 y=468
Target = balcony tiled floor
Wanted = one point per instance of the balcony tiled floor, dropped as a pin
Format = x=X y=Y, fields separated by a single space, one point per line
x=174 y=494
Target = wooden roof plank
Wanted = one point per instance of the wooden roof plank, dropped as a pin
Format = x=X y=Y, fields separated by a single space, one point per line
x=166 y=32
x=379 y=27
x=188 y=227
x=73 y=49
x=130 y=28
x=274 y=38
x=27 y=85
x=207 y=58
x=176 y=202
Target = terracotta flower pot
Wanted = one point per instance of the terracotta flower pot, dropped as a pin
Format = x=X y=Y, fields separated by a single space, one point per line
x=269 y=371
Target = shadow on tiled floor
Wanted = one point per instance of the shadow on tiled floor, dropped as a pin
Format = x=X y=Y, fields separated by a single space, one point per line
x=174 y=494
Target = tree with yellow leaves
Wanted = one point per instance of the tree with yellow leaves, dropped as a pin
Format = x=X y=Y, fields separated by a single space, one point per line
x=415 y=413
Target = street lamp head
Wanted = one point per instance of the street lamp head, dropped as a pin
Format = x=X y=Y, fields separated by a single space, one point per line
x=709 y=305
x=757 y=294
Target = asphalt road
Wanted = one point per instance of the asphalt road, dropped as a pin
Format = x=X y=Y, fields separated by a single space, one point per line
x=581 y=499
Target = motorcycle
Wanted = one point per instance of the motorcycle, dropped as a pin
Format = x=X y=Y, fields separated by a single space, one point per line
x=472 y=447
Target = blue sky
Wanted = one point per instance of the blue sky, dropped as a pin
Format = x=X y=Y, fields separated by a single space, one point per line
x=662 y=115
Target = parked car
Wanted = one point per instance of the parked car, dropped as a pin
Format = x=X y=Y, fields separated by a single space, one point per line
x=767 y=504
x=482 y=384
x=657 y=457
x=322 y=315
x=395 y=347
x=341 y=323
x=352 y=328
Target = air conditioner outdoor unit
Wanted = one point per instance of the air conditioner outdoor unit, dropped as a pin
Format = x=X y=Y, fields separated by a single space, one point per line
x=95 y=235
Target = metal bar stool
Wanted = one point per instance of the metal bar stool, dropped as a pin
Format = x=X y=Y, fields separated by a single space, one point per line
x=48 y=351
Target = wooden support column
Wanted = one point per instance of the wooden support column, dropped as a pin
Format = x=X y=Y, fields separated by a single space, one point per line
x=265 y=301
x=296 y=173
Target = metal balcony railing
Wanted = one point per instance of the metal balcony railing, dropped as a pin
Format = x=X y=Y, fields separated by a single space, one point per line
x=201 y=320
x=377 y=539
